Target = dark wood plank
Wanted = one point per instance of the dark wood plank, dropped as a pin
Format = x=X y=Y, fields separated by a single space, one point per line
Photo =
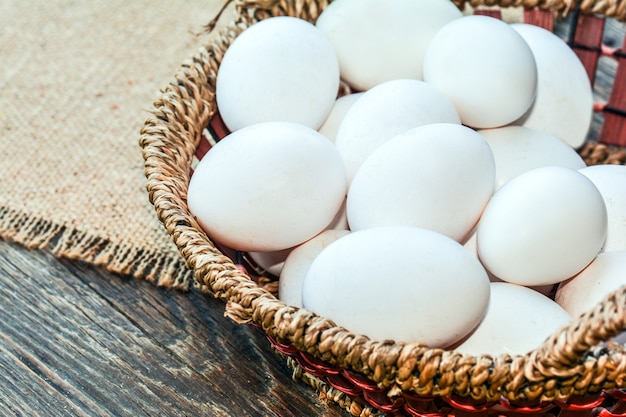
x=78 y=341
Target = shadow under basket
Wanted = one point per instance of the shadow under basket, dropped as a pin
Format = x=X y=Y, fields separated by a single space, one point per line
x=578 y=371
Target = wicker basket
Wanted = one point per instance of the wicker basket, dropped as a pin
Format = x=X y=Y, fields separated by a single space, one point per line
x=578 y=371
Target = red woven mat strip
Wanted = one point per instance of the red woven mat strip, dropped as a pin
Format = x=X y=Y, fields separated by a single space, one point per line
x=614 y=126
x=587 y=42
x=219 y=129
x=490 y=13
x=541 y=18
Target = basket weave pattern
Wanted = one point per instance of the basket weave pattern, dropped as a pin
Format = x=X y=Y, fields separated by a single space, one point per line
x=576 y=370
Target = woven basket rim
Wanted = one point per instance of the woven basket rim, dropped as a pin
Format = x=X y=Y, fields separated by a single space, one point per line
x=574 y=361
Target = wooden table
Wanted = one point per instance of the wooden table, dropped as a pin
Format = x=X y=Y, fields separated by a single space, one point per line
x=78 y=341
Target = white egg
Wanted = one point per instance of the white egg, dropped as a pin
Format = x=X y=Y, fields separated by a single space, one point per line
x=388 y=283
x=517 y=321
x=607 y=273
x=298 y=262
x=279 y=69
x=340 y=221
x=542 y=227
x=564 y=103
x=378 y=41
x=486 y=69
x=340 y=108
x=268 y=187
x=611 y=181
x=271 y=262
x=439 y=177
x=470 y=245
x=385 y=111
x=517 y=149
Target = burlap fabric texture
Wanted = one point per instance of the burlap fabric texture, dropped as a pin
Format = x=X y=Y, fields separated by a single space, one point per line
x=77 y=80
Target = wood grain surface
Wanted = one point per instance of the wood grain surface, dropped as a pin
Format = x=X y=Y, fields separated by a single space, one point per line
x=78 y=341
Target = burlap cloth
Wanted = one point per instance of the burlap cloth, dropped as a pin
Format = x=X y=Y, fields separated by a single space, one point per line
x=77 y=80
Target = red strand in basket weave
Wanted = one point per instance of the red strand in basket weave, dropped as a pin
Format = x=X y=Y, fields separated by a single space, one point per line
x=365 y=392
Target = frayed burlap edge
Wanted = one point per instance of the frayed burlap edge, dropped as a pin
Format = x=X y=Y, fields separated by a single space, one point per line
x=122 y=258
